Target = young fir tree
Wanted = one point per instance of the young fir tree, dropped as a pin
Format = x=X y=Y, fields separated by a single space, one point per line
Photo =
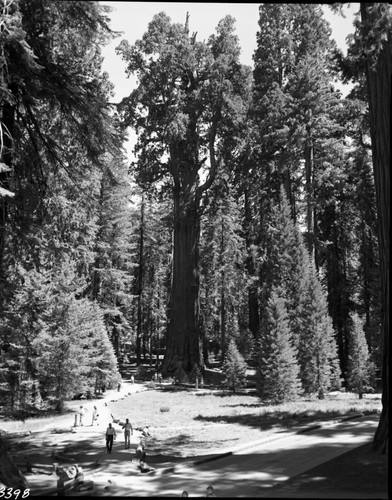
x=360 y=372
x=56 y=345
x=291 y=269
x=223 y=280
x=234 y=367
x=317 y=348
x=277 y=376
x=113 y=267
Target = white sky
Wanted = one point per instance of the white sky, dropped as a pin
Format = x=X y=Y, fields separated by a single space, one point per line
x=132 y=19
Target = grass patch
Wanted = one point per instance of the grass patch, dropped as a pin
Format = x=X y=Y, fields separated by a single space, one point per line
x=200 y=422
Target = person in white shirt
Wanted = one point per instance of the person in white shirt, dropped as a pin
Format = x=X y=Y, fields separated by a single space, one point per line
x=82 y=411
x=110 y=435
x=127 y=433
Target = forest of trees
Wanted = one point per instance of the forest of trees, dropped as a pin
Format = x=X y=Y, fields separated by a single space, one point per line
x=254 y=221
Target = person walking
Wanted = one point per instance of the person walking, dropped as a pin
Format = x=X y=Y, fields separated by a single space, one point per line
x=132 y=379
x=82 y=411
x=110 y=436
x=127 y=433
x=95 y=416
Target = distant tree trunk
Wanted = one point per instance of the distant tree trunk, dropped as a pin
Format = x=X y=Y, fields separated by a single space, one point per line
x=379 y=98
x=253 y=302
x=139 y=290
x=309 y=169
x=223 y=321
x=223 y=298
x=184 y=339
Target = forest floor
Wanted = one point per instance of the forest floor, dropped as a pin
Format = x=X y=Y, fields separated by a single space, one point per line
x=186 y=424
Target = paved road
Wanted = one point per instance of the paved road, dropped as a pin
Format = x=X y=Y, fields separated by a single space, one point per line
x=249 y=472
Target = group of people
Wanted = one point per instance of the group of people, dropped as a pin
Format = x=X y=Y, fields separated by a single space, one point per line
x=128 y=431
x=80 y=415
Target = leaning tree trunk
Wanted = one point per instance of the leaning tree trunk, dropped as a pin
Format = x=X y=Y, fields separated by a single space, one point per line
x=184 y=339
x=379 y=98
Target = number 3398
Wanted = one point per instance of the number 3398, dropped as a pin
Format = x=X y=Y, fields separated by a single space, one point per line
x=8 y=493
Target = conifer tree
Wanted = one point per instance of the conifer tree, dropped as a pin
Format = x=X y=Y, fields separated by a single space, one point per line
x=234 y=367
x=223 y=280
x=278 y=370
x=112 y=272
x=190 y=96
x=55 y=345
x=317 y=348
x=292 y=271
x=360 y=376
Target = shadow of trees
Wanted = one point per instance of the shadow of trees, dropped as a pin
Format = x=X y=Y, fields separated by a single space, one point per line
x=285 y=420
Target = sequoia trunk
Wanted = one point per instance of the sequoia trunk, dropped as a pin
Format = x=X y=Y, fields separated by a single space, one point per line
x=184 y=340
x=379 y=97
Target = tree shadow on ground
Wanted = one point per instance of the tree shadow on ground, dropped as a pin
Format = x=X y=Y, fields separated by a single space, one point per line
x=265 y=474
x=283 y=419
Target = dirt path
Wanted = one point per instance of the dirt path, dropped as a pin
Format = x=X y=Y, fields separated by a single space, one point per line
x=251 y=472
x=56 y=441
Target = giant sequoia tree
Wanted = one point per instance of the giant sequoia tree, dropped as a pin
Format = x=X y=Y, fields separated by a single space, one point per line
x=370 y=54
x=188 y=96
x=377 y=49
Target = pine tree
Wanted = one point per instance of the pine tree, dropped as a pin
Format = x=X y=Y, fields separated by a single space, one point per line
x=360 y=372
x=234 y=367
x=278 y=370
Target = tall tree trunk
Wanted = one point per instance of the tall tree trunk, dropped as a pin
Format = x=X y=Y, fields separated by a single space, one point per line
x=139 y=291
x=379 y=97
x=184 y=339
x=309 y=169
x=7 y=120
x=253 y=302
x=223 y=321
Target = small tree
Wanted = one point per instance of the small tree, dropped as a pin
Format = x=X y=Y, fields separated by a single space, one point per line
x=278 y=370
x=234 y=367
x=360 y=367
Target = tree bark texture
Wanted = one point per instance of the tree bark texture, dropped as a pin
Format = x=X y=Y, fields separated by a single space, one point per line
x=378 y=78
x=184 y=339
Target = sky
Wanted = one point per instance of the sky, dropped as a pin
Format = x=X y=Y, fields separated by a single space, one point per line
x=132 y=18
